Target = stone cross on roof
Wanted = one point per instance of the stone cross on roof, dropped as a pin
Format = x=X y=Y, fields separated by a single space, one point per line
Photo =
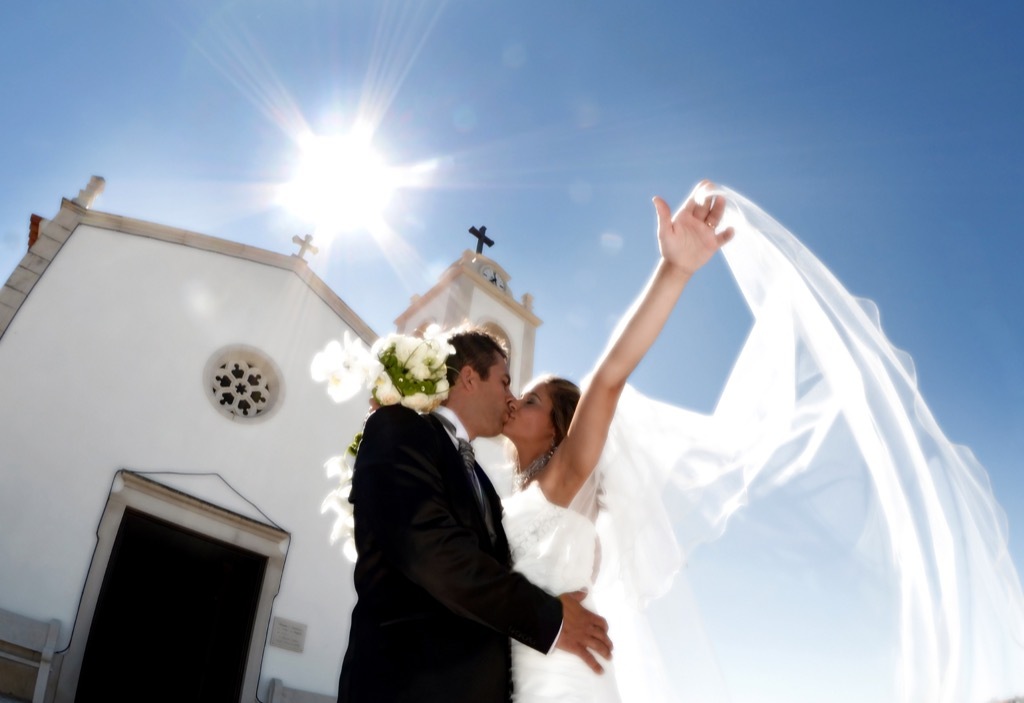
x=304 y=245
x=481 y=238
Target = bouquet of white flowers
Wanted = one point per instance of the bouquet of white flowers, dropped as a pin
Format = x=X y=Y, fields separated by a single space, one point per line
x=399 y=369
x=414 y=372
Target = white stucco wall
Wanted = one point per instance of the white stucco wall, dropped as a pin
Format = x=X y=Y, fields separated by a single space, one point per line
x=102 y=369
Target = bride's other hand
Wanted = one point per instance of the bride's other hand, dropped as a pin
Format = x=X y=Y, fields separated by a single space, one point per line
x=583 y=632
x=689 y=239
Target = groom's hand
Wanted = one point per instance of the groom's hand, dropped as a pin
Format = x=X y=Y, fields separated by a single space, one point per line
x=583 y=632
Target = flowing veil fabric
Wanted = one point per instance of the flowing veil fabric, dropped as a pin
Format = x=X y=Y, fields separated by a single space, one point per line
x=822 y=419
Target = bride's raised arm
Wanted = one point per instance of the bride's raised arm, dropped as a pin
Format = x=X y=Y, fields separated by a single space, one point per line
x=687 y=240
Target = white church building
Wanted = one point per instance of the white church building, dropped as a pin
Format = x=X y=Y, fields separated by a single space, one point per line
x=161 y=460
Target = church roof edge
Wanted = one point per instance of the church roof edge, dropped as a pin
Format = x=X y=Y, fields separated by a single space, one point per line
x=49 y=237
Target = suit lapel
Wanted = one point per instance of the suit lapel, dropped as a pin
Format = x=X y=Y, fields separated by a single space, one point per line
x=466 y=505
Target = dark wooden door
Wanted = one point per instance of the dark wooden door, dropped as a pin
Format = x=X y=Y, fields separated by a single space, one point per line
x=174 y=617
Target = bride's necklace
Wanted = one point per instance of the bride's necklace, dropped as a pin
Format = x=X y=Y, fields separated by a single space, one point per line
x=535 y=467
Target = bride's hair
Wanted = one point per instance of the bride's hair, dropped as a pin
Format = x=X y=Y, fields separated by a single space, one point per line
x=565 y=396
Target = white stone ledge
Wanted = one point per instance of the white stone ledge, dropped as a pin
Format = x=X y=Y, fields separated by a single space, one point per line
x=11 y=298
x=6 y=315
x=34 y=263
x=55 y=232
x=66 y=219
x=22 y=279
x=46 y=247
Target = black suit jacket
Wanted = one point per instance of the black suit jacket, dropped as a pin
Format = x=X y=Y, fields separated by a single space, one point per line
x=436 y=600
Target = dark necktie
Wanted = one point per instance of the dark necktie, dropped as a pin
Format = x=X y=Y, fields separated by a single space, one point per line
x=469 y=462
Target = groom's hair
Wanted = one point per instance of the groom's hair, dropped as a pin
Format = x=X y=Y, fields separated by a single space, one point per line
x=475 y=347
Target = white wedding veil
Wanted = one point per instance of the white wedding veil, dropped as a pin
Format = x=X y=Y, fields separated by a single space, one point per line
x=821 y=421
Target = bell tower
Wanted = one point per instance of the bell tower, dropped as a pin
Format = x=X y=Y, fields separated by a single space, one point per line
x=476 y=289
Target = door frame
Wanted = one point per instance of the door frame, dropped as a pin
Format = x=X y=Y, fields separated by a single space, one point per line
x=132 y=490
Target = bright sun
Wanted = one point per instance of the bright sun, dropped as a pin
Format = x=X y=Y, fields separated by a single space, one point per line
x=341 y=183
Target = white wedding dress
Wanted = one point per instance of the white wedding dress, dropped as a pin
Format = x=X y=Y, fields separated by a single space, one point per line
x=557 y=549
x=820 y=427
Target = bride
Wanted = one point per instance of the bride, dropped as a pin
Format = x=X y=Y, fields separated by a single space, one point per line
x=820 y=420
x=559 y=435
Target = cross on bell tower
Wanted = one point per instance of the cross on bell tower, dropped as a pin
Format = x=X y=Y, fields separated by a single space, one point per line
x=481 y=238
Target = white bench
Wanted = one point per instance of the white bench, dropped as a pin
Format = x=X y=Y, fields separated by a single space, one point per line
x=26 y=647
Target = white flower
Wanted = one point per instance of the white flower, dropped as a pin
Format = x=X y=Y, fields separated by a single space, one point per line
x=337 y=502
x=420 y=402
x=418 y=353
x=383 y=343
x=349 y=550
x=410 y=350
x=335 y=465
x=327 y=362
x=419 y=371
x=341 y=466
x=439 y=340
x=385 y=392
x=347 y=369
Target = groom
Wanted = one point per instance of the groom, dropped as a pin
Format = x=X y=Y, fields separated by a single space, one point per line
x=437 y=599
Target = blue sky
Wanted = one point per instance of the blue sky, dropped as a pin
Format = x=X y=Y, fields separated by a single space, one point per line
x=885 y=135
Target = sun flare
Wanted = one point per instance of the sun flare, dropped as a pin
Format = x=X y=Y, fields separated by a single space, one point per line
x=341 y=183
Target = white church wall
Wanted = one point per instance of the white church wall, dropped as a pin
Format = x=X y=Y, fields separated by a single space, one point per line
x=102 y=369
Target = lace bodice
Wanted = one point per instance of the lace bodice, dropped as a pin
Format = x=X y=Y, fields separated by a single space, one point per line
x=552 y=546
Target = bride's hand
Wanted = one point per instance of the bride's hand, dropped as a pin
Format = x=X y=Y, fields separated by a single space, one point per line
x=689 y=239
